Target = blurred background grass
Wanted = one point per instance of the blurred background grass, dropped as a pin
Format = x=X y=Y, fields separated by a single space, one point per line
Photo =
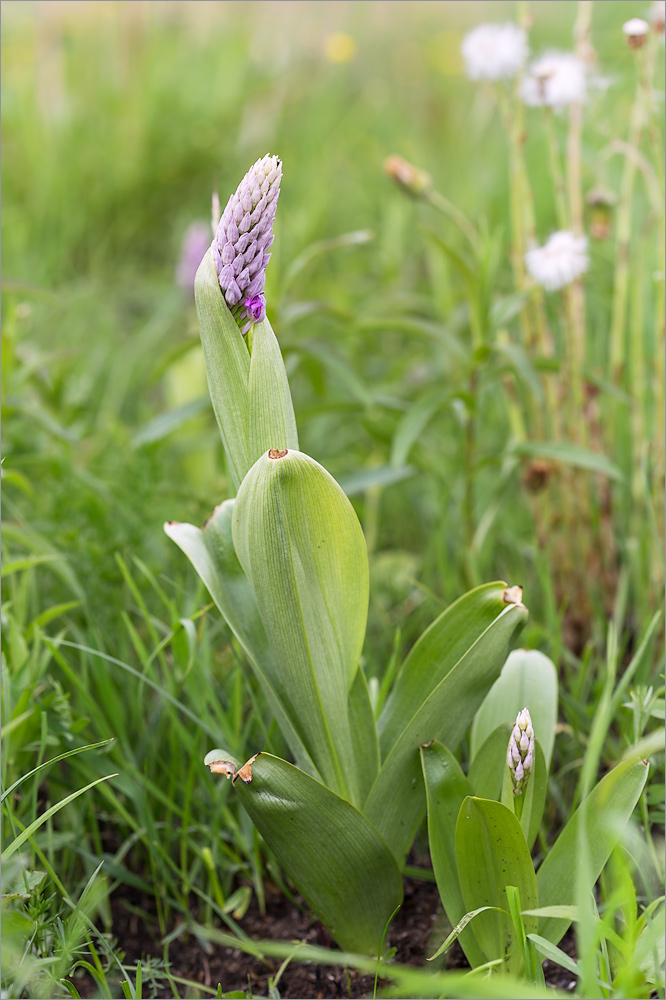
x=118 y=121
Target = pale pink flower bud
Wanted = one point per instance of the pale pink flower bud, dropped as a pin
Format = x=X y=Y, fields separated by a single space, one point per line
x=243 y=236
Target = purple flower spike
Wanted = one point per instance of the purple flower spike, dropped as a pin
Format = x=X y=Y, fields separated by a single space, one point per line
x=244 y=234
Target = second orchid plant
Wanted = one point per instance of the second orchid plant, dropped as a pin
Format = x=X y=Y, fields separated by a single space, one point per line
x=285 y=562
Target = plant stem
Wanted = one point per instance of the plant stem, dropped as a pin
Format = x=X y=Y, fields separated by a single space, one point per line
x=575 y=293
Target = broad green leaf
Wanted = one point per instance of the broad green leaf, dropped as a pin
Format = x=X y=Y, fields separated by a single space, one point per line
x=570 y=454
x=227 y=367
x=365 y=745
x=486 y=772
x=414 y=422
x=608 y=809
x=437 y=651
x=271 y=421
x=442 y=684
x=301 y=546
x=211 y=552
x=491 y=854
x=334 y=856
x=528 y=680
x=446 y=789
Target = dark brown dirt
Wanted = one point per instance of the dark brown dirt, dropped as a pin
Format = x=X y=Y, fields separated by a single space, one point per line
x=416 y=932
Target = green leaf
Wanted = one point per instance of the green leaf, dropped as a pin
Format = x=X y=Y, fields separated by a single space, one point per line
x=528 y=680
x=441 y=685
x=211 y=552
x=227 y=367
x=555 y=954
x=491 y=854
x=300 y=544
x=46 y=815
x=486 y=771
x=414 y=422
x=608 y=809
x=271 y=420
x=21 y=884
x=365 y=744
x=446 y=789
x=336 y=859
x=570 y=454
x=377 y=478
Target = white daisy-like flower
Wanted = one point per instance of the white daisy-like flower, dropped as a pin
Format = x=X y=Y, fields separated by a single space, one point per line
x=636 y=31
x=561 y=260
x=494 y=51
x=555 y=80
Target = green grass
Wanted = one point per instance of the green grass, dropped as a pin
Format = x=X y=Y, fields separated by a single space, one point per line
x=117 y=121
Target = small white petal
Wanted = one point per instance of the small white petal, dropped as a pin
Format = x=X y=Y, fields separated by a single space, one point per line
x=561 y=260
x=494 y=51
x=636 y=27
x=555 y=80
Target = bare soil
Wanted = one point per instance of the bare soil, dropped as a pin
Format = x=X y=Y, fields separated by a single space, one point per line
x=417 y=930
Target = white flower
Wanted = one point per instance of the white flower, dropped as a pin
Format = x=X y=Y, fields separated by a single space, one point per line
x=560 y=261
x=494 y=51
x=636 y=27
x=555 y=80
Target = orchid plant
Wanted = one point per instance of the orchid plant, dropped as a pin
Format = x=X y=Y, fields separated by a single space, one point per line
x=482 y=826
x=286 y=563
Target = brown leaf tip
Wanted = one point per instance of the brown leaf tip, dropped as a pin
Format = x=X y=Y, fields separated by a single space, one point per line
x=277 y=452
x=224 y=767
x=513 y=595
x=245 y=772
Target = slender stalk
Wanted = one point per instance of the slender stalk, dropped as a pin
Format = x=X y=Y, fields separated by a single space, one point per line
x=622 y=243
x=576 y=294
x=556 y=170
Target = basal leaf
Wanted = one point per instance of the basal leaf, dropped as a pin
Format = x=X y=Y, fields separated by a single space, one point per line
x=334 y=856
x=443 y=682
x=211 y=552
x=301 y=546
x=491 y=854
x=446 y=789
x=486 y=771
x=528 y=680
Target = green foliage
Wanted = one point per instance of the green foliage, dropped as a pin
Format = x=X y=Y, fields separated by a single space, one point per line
x=117 y=121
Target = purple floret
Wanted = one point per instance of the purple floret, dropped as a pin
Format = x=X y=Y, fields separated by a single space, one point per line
x=243 y=237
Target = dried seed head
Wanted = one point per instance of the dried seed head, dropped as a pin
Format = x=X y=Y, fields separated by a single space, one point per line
x=409 y=178
x=242 y=240
x=520 y=754
x=636 y=31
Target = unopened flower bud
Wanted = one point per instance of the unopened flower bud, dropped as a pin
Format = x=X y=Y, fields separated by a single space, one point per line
x=520 y=754
x=409 y=178
x=243 y=237
x=636 y=31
